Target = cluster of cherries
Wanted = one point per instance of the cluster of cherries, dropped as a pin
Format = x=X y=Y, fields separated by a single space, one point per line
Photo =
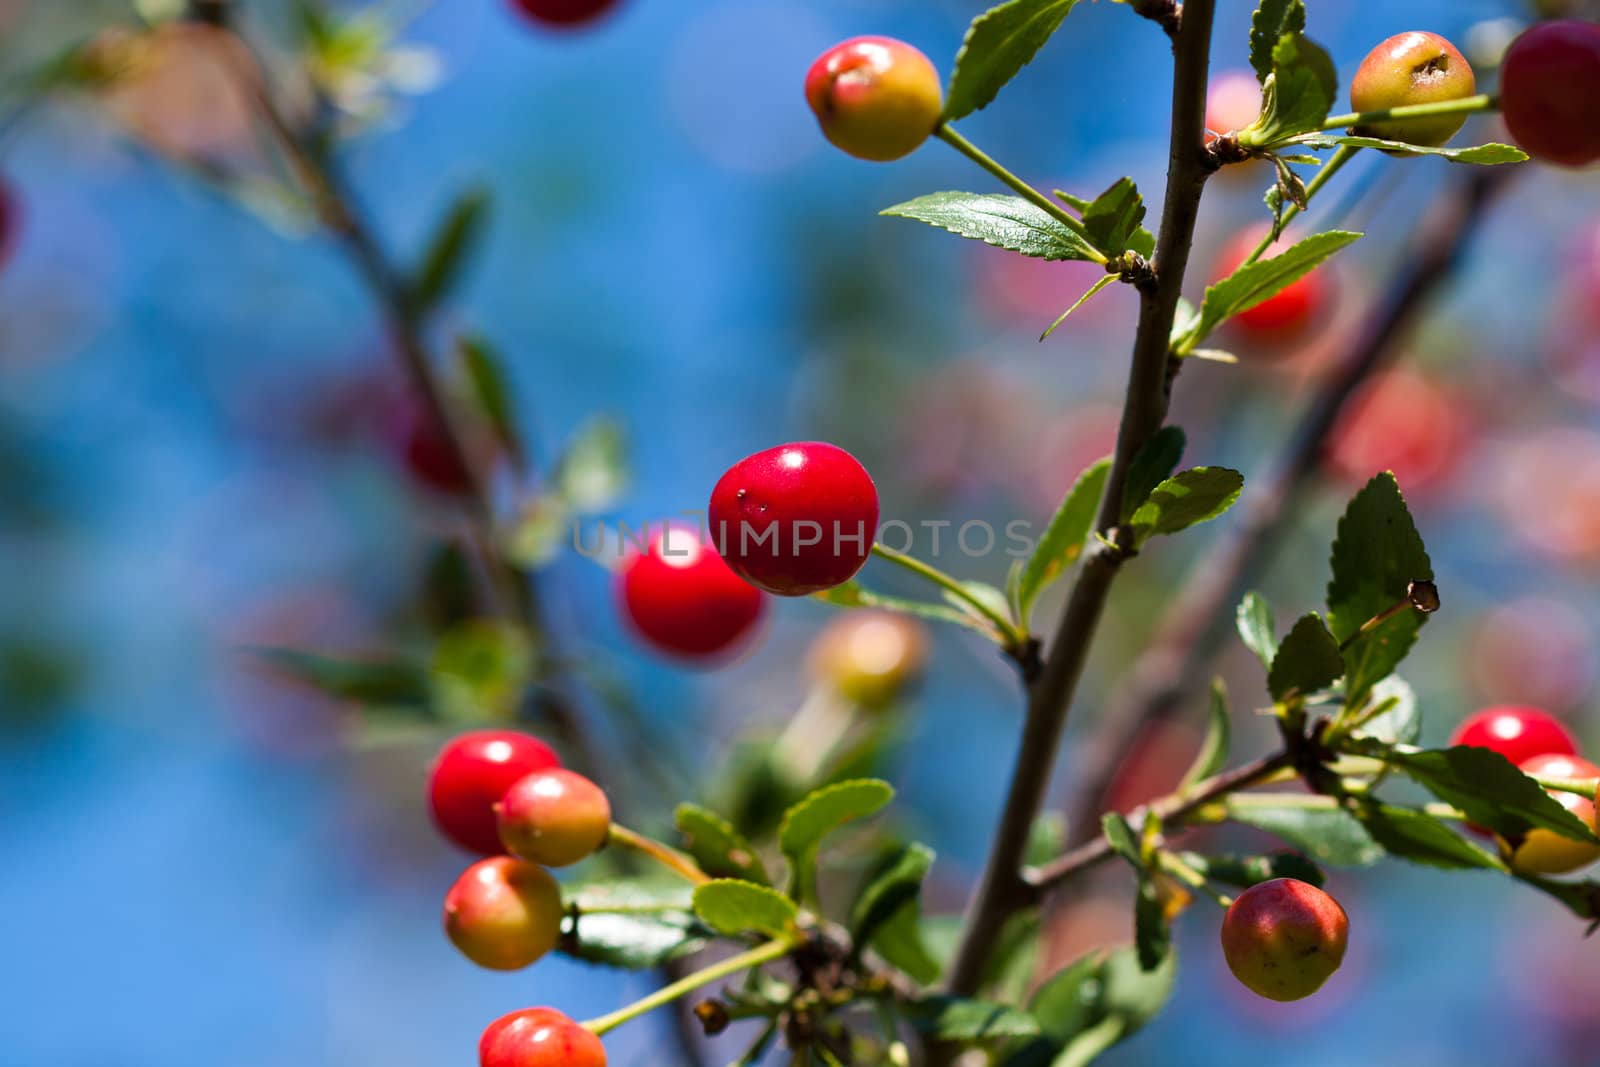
x=505 y=795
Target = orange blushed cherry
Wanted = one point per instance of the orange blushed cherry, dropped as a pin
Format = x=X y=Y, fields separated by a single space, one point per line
x=563 y=13
x=539 y=1037
x=503 y=913
x=555 y=818
x=1284 y=938
x=1407 y=69
x=875 y=98
x=1547 y=852
x=795 y=519
x=1550 y=92
x=684 y=600
x=470 y=776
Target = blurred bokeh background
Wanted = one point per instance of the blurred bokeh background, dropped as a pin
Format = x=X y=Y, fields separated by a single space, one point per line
x=205 y=863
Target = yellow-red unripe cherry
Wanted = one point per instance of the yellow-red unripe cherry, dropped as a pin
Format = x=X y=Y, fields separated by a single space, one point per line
x=1408 y=69
x=1545 y=851
x=555 y=818
x=1284 y=938
x=875 y=98
x=503 y=913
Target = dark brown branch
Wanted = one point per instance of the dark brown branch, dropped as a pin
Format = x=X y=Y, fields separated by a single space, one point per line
x=1174 y=665
x=1001 y=890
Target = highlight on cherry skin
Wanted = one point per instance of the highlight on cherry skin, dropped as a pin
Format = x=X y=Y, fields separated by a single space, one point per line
x=1517 y=732
x=563 y=14
x=472 y=773
x=539 y=1037
x=1547 y=852
x=503 y=913
x=1407 y=69
x=1284 y=938
x=795 y=519
x=1550 y=92
x=875 y=98
x=555 y=818
x=682 y=599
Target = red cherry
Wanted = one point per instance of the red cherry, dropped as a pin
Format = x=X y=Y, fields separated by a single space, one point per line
x=684 y=600
x=1550 y=92
x=565 y=13
x=555 y=818
x=1517 y=733
x=1233 y=101
x=1403 y=422
x=504 y=914
x=10 y=216
x=425 y=450
x=470 y=776
x=1284 y=938
x=539 y=1037
x=1284 y=314
x=795 y=519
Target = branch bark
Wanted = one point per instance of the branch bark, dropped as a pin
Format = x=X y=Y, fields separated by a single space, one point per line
x=1001 y=891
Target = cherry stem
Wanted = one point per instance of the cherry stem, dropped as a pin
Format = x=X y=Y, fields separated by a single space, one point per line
x=1173 y=865
x=1466 y=105
x=671 y=858
x=689 y=983
x=949 y=136
x=1014 y=635
x=1336 y=161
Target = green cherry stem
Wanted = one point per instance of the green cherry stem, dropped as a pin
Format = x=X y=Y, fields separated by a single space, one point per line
x=1012 y=633
x=947 y=133
x=1173 y=865
x=1583 y=787
x=1466 y=105
x=689 y=983
x=670 y=858
x=1339 y=158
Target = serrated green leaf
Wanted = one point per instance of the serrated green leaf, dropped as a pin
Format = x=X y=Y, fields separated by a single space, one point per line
x=730 y=906
x=1214 y=749
x=719 y=849
x=649 y=923
x=593 y=472
x=1297 y=95
x=1420 y=838
x=450 y=248
x=1008 y=222
x=819 y=814
x=486 y=375
x=959 y=1019
x=1257 y=628
x=1261 y=280
x=1307 y=660
x=1391 y=714
x=1187 y=499
x=1153 y=465
x=1246 y=871
x=1480 y=155
x=998 y=44
x=1328 y=835
x=1112 y=219
x=1064 y=537
x=896 y=888
x=1271 y=21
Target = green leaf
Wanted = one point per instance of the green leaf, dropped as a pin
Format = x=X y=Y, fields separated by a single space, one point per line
x=998 y=44
x=1308 y=660
x=1112 y=219
x=1257 y=628
x=730 y=906
x=1271 y=21
x=1581 y=898
x=852 y=594
x=1420 y=838
x=593 y=472
x=1261 y=280
x=1082 y=300
x=1214 y=749
x=1482 y=155
x=1153 y=465
x=392 y=683
x=1487 y=788
x=486 y=376
x=1008 y=222
x=1391 y=715
x=895 y=889
x=1187 y=499
x=1328 y=835
x=1119 y=835
x=821 y=813
x=958 y=1019
x=1152 y=934
x=481 y=669
x=653 y=922
x=450 y=248
x=719 y=849
x=1091 y=1005
x=900 y=942
x=1246 y=871
x=1064 y=537
x=1297 y=95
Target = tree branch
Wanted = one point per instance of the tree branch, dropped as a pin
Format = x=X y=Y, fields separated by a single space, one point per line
x=1001 y=890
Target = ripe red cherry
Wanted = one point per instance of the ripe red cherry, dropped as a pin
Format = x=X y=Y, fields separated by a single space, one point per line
x=539 y=1037
x=425 y=450
x=683 y=599
x=555 y=818
x=470 y=776
x=795 y=519
x=564 y=13
x=1284 y=938
x=1407 y=69
x=1545 y=851
x=1287 y=312
x=9 y=218
x=1517 y=733
x=1550 y=92
x=503 y=914
x=875 y=97
x=1403 y=422
x=1233 y=101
